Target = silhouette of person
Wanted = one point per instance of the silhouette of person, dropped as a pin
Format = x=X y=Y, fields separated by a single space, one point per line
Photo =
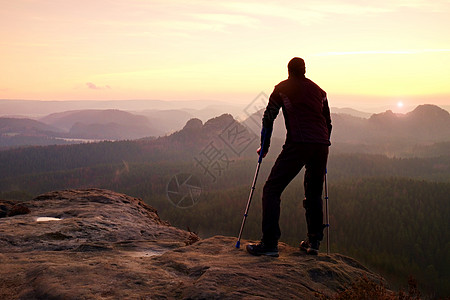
x=308 y=124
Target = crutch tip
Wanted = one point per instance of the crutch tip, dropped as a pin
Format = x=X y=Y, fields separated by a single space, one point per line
x=238 y=244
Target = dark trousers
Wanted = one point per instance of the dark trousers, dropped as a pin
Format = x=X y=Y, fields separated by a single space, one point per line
x=288 y=164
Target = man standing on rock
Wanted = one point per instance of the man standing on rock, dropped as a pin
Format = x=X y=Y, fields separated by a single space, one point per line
x=308 y=124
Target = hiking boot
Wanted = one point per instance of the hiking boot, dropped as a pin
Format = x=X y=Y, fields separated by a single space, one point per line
x=262 y=249
x=310 y=247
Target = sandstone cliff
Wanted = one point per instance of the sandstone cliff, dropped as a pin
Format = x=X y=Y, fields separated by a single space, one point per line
x=98 y=244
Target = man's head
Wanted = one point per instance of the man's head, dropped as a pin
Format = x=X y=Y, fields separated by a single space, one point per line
x=296 y=67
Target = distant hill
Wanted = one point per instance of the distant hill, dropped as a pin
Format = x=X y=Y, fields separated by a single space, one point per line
x=168 y=120
x=14 y=126
x=387 y=133
x=393 y=134
x=112 y=125
x=215 y=110
x=36 y=108
x=75 y=126
x=223 y=133
x=116 y=124
x=426 y=123
x=26 y=132
x=109 y=131
x=67 y=119
x=102 y=124
x=351 y=112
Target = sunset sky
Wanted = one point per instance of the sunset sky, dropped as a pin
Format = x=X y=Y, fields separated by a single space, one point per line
x=363 y=53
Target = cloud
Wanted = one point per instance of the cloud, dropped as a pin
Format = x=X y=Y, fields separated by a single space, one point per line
x=304 y=12
x=227 y=19
x=410 y=51
x=309 y=12
x=93 y=86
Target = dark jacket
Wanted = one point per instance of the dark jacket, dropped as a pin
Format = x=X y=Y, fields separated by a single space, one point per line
x=305 y=109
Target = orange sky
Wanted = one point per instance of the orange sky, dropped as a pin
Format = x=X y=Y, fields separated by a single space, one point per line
x=363 y=53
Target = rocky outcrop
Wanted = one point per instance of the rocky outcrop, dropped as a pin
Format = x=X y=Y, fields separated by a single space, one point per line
x=10 y=209
x=97 y=244
x=82 y=219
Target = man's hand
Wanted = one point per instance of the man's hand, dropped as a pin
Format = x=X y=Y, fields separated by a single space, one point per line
x=259 y=151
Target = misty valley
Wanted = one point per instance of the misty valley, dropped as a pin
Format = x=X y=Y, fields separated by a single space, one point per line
x=389 y=177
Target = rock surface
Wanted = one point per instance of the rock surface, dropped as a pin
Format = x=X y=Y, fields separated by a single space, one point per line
x=98 y=244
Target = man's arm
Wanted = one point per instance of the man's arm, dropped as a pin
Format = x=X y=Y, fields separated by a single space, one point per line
x=326 y=114
x=269 y=116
